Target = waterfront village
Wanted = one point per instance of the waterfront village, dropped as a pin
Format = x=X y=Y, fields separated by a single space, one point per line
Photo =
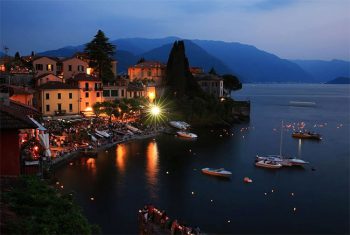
x=53 y=108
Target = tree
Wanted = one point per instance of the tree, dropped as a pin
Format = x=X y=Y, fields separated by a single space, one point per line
x=17 y=56
x=231 y=83
x=212 y=71
x=141 y=60
x=100 y=53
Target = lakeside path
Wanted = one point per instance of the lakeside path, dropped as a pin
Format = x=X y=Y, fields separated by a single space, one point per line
x=71 y=155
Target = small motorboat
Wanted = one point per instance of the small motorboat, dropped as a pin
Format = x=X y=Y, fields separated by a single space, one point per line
x=186 y=134
x=302 y=103
x=268 y=164
x=306 y=135
x=247 y=180
x=217 y=172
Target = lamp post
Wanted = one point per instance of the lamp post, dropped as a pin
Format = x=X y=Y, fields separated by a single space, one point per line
x=155 y=111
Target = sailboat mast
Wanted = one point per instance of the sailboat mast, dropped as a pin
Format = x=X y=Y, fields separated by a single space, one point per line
x=281 y=138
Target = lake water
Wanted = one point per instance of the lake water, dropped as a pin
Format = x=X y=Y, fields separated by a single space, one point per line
x=165 y=171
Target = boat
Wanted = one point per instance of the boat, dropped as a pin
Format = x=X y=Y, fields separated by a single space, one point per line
x=283 y=160
x=217 y=172
x=306 y=135
x=279 y=159
x=186 y=134
x=133 y=129
x=268 y=164
x=179 y=125
x=247 y=180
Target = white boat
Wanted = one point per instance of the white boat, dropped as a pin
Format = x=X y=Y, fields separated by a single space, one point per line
x=284 y=161
x=280 y=159
x=217 y=172
x=268 y=164
x=102 y=133
x=133 y=129
x=179 y=125
x=186 y=134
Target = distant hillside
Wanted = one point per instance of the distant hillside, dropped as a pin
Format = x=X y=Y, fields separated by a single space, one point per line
x=196 y=56
x=63 y=52
x=254 y=65
x=340 y=80
x=139 y=46
x=324 y=71
x=247 y=62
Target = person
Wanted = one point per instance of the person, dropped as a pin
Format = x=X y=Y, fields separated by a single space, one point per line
x=150 y=212
x=145 y=214
x=174 y=226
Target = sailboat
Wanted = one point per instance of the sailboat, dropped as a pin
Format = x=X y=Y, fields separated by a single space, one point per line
x=279 y=159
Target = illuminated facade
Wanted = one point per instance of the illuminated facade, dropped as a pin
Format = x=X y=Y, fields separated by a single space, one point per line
x=90 y=89
x=57 y=98
x=149 y=70
x=115 y=90
x=44 y=65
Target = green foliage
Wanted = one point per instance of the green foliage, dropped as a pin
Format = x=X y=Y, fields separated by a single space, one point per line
x=179 y=79
x=141 y=60
x=231 y=82
x=101 y=53
x=17 y=56
x=212 y=71
x=40 y=209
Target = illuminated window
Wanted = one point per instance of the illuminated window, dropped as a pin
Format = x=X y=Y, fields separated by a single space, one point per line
x=49 y=67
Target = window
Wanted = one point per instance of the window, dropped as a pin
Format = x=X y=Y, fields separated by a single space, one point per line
x=59 y=107
x=98 y=94
x=59 y=96
x=122 y=93
x=59 y=68
x=86 y=86
x=135 y=94
x=39 y=67
x=87 y=104
x=114 y=93
x=70 y=95
x=47 y=96
x=80 y=68
x=106 y=93
x=70 y=107
x=49 y=67
x=47 y=108
x=86 y=94
x=69 y=67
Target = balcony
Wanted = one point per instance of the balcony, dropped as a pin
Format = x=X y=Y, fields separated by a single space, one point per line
x=87 y=89
x=98 y=89
x=60 y=112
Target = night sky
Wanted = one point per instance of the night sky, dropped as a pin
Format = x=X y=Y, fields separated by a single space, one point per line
x=291 y=29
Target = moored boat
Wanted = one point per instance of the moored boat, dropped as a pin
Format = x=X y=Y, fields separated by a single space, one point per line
x=268 y=164
x=179 y=124
x=284 y=161
x=217 y=172
x=186 y=134
x=247 y=180
x=306 y=135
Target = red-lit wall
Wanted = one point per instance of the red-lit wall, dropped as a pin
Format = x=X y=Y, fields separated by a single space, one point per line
x=9 y=153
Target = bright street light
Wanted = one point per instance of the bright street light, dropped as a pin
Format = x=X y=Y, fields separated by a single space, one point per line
x=155 y=110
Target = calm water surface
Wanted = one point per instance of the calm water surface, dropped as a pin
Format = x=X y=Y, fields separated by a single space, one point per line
x=165 y=171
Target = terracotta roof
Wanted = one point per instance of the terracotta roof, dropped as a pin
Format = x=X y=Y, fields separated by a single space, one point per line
x=19 y=89
x=24 y=109
x=44 y=75
x=50 y=57
x=15 y=116
x=84 y=77
x=56 y=85
x=149 y=64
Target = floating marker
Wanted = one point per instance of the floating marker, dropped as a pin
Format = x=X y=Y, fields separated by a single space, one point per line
x=265 y=193
x=167 y=172
x=228 y=221
x=192 y=193
x=292 y=194
x=211 y=200
x=91 y=198
x=272 y=191
x=294 y=209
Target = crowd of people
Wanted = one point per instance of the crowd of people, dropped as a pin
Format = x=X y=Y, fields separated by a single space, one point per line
x=153 y=221
x=73 y=135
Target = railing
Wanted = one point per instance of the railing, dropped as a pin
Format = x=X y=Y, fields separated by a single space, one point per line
x=98 y=89
x=87 y=89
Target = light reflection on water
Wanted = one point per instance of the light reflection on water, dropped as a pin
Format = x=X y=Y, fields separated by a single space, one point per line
x=152 y=169
x=121 y=151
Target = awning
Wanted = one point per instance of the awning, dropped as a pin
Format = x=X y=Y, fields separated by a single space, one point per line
x=40 y=127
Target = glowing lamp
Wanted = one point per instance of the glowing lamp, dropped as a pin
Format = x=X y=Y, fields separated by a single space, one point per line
x=151 y=95
x=155 y=110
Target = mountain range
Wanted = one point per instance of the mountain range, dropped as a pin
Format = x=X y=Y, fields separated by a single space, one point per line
x=249 y=63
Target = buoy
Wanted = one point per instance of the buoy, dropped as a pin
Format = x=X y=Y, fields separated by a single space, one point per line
x=272 y=191
x=265 y=193
x=192 y=193
x=91 y=198
x=292 y=194
x=247 y=180
x=294 y=209
x=211 y=200
x=228 y=221
x=167 y=172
